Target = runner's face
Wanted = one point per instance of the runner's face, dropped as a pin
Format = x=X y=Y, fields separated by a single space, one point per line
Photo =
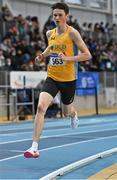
x=59 y=17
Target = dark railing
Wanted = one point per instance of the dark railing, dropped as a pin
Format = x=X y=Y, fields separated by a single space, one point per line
x=34 y=100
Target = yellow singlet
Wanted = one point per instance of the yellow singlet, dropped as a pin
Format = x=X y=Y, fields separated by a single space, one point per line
x=57 y=69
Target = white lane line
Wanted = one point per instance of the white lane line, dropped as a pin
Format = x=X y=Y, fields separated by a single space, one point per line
x=21 y=133
x=18 y=151
x=12 y=129
x=59 y=135
x=21 y=140
x=16 y=134
x=61 y=146
x=31 y=127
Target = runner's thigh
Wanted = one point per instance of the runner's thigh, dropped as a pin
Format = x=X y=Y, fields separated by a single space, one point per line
x=67 y=92
x=50 y=87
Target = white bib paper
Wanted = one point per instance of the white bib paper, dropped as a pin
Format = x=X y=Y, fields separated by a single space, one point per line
x=55 y=60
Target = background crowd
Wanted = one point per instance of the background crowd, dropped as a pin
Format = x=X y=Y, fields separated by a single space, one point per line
x=21 y=40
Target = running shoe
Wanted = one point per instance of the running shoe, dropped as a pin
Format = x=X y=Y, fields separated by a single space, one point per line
x=74 y=121
x=30 y=153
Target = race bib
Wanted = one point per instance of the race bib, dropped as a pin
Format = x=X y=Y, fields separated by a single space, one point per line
x=55 y=60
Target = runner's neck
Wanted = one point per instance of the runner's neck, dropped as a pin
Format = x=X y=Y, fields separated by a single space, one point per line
x=61 y=30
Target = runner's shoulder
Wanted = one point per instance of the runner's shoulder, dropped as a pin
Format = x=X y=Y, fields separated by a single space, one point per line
x=49 y=32
x=72 y=30
x=73 y=33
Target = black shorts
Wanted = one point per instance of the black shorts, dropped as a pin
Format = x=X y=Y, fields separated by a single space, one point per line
x=66 y=89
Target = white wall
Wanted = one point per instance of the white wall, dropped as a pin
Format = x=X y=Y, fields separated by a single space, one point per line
x=87 y=16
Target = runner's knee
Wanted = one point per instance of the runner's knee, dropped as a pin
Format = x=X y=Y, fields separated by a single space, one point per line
x=41 y=109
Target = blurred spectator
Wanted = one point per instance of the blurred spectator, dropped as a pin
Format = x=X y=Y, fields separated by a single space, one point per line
x=90 y=31
x=8 y=65
x=2 y=60
x=49 y=24
x=70 y=20
x=84 y=31
x=22 y=27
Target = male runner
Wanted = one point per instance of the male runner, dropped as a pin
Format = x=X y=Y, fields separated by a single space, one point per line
x=64 y=44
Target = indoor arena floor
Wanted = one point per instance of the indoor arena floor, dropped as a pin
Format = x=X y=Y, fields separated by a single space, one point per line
x=60 y=145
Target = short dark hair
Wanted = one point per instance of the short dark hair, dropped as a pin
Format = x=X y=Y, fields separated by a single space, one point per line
x=61 y=6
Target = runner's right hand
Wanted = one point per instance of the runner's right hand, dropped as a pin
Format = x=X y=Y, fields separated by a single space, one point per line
x=39 y=58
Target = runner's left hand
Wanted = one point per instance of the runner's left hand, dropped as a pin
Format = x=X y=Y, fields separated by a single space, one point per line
x=62 y=56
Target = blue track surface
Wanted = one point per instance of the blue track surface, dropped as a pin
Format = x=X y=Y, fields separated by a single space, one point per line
x=59 y=146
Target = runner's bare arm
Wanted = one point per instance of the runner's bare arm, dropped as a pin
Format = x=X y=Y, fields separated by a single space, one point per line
x=46 y=52
x=84 y=54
